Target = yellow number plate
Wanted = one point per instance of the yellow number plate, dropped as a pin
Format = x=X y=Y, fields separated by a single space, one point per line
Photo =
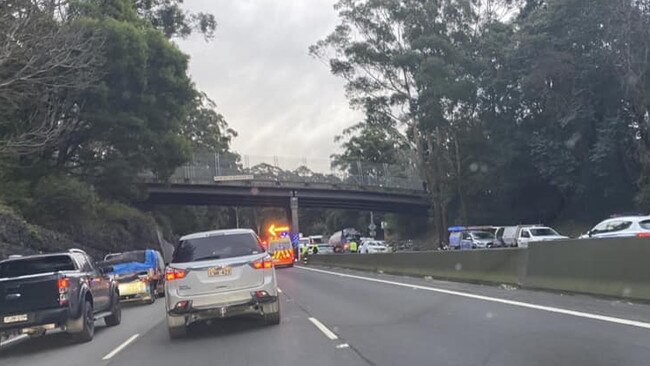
x=219 y=271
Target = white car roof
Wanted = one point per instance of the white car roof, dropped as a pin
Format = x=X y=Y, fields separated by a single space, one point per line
x=205 y=234
x=631 y=218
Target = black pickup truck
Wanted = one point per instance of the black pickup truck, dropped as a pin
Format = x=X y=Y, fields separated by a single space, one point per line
x=64 y=291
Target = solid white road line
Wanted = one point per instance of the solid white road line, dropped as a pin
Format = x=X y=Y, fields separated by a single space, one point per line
x=14 y=339
x=120 y=347
x=550 y=309
x=328 y=333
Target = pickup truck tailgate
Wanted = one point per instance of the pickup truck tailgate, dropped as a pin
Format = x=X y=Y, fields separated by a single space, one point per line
x=28 y=294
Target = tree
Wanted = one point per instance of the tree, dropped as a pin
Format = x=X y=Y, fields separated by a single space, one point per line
x=531 y=110
x=576 y=101
x=45 y=62
x=173 y=21
x=412 y=62
x=133 y=117
x=205 y=128
x=375 y=143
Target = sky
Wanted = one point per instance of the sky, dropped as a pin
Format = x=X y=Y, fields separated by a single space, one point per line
x=280 y=100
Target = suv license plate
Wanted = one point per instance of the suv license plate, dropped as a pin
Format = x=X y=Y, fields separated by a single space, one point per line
x=15 y=318
x=219 y=271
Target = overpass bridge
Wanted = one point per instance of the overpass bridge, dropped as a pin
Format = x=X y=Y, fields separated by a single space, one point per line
x=213 y=179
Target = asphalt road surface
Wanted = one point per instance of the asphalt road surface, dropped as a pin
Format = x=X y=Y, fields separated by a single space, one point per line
x=337 y=317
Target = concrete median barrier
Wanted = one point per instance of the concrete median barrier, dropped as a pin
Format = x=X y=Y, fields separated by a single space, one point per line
x=494 y=266
x=609 y=267
x=612 y=267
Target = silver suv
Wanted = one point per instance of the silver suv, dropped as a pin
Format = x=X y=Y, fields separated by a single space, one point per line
x=219 y=274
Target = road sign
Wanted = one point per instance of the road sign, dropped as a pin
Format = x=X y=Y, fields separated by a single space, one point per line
x=274 y=231
x=384 y=225
x=372 y=226
x=228 y=178
x=373 y=233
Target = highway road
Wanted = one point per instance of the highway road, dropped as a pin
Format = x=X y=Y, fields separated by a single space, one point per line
x=339 y=317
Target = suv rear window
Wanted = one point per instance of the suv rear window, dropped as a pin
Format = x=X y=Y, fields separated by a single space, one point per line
x=281 y=245
x=216 y=247
x=31 y=266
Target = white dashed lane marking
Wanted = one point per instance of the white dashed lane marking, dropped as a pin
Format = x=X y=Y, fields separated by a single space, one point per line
x=120 y=347
x=328 y=333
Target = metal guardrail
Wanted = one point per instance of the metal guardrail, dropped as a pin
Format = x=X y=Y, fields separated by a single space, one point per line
x=204 y=167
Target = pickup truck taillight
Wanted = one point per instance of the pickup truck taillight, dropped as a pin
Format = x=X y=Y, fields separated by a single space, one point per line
x=64 y=286
x=172 y=274
x=263 y=263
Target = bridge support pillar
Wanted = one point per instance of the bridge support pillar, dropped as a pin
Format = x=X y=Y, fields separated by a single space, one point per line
x=295 y=225
x=295 y=228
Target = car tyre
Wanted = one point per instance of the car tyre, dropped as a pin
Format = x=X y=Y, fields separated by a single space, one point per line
x=272 y=313
x=88 y=324
x=177 y=332
x=116 y=313
x=176 y=327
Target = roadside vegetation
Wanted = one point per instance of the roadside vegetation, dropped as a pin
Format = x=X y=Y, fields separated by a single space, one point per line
x=92 y=93
x=515 y=111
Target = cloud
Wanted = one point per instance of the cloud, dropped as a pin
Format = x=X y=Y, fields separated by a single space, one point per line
x=281 y=101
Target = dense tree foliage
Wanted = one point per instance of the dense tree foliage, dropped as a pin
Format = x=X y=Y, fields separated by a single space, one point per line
x=517 y=111
x=92 y=94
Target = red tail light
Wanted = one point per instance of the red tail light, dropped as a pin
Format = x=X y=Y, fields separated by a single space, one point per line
x=64 y=285
x=263 y=263
x=172 y=274
x=643 y=235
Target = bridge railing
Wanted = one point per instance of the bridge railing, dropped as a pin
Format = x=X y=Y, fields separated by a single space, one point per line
x=208 y=167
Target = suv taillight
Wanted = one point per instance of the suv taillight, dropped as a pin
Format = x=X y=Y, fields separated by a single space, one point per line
x=64 y=286
x=172 y=274
x=262 y=263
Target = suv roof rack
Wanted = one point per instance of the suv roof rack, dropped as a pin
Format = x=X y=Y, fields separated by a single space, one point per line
x=76 y=250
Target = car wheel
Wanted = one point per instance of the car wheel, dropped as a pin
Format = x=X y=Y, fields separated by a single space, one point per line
x=176 y=327
x=272 y=313
x=116 y=313
x=88 y=327
x=152 y=294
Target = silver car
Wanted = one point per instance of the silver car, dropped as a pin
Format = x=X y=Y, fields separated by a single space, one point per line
x=219 y=274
